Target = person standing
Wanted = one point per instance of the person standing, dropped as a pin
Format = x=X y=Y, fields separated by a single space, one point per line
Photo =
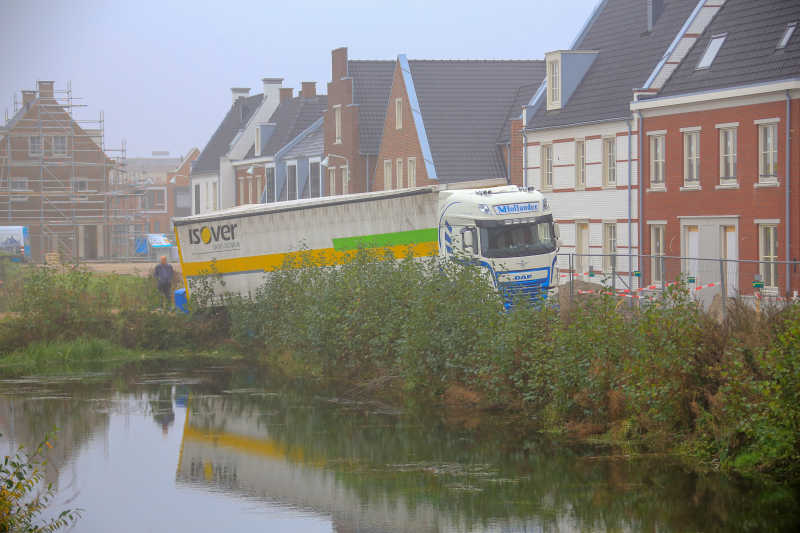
x=163 y=274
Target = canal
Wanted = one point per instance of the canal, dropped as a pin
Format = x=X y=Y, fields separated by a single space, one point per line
x=189 y=446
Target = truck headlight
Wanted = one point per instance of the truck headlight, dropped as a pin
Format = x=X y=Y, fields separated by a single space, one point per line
x=483 y=208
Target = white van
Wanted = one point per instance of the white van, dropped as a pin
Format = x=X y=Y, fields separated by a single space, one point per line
x=15 y=244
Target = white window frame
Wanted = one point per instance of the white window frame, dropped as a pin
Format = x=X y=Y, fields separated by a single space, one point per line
x=657 y=161
x=332 y=178
x=768 y=251
x=399 y=173
x=267 y=172
x=312 y=164
x=214 y=198
x=787 y=35
x=412 y=171
x=35 y=148
x=546 y=167
x=259 y=189
x=59 y=150
x=691 y=163
x=609 y=147
x=387 y=174
x=81 y=185
x=291 y=181
x=727 y=160
x=763 y=151
x=554 y=82
x=152 y=208
x=258 y=141
x=656 y=231
x=398 y=114
x=207 y=195
x=241 y=191
x=337 y=124
x=609 y=244
x=345 y=180
x=580 y=164
x=711 y=52
x=22 y=185
x=249 y=189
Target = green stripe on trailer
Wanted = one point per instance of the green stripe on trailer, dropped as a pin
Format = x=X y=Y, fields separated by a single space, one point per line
x=399 y=238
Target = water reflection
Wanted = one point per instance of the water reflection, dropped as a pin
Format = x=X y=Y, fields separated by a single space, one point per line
x=249 y=448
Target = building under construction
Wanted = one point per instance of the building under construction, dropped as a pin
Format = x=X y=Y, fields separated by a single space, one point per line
x=58 y=179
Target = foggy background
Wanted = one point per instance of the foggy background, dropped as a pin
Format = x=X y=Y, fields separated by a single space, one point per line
x=162 y=70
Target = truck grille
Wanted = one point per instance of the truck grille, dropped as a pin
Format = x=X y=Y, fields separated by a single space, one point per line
x=533 y=291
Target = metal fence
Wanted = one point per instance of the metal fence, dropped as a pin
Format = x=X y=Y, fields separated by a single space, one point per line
x=647 y=277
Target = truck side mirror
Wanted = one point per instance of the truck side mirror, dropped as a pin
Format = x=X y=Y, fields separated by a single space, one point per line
x=467 y=239
x=559 y=243
x=556 y=230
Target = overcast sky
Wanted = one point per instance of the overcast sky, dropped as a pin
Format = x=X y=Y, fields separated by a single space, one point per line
x=162 y=69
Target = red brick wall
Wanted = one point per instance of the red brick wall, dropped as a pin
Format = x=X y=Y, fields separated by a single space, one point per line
x=340 y=92
x=400 y=143
x=748 y=202
x=241 y=173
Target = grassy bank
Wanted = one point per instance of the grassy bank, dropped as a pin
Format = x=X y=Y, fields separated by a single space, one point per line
x=668 y=377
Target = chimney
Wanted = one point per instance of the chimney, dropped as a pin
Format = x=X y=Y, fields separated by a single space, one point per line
x=286 y=92
x=239 y=92
x=272 y=87
x=339 y=64
x=45 y=89
x=28 y=97
x=309 y=89
x=654 y=10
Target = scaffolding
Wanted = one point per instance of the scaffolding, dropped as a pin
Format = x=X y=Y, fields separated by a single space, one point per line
x=58 y=179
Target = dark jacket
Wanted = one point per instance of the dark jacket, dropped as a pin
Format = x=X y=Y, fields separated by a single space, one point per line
x=163 y=274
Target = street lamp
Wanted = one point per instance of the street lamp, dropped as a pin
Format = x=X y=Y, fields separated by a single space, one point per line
x=326 y=162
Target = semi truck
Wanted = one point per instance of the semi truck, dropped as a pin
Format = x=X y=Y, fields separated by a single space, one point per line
x=508 y=230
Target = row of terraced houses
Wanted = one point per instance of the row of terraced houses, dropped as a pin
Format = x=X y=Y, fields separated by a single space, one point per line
x=666 y=128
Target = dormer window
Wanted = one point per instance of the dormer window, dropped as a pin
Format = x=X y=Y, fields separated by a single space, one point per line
x=711 y=52
x=258 y=140
x=554 y=82
x=787 y=35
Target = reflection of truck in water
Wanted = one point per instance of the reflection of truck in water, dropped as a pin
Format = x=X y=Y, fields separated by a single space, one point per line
x=507 y=229
x=15 y=244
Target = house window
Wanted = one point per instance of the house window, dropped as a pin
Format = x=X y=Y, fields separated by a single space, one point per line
x=387 y=175
x=691 y=159
x=250 y=190
x=258 y=141
x=270 y=175
x=610 y=162
x=59 y=146
x=156 y=226
x=657 y=161
x=291 y=178
x=580 y=165
x=197 y=199
x=768 y=235
x=412 y=172
x=259 y=190
x=547 y=166
x=657 y=251
x=399 y=173
x=337 y=121
x=609 y=245
x=332 y=179
x=787 y=35
x=553 y=82
x=19 y=184
x=316 y=185
x=155 y=200
x=768 y=152
x=207 y=195
x=241 y=191
x=398 y=113
x=81 y=185
x=35 y=145
x=214 y=199
x=711 y=51
x=727 y=142
x=345 y=180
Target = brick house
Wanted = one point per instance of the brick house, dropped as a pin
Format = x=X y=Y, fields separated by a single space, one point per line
x=172 y=197
x=54 y=177
x=719 y=152
x=263 y=171
x=213 y=176
x=449 y=121
x=358 y=96
x=579 y=135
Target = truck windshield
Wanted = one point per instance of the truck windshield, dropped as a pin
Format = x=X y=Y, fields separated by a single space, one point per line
x=517 y=240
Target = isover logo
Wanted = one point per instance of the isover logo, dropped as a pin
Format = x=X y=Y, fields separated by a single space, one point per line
x=207 y=235
x=510 y=209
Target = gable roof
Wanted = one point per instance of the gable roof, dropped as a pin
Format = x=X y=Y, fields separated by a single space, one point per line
x=372 y=86
x=220 y=143
x=627 y=56
x=291 y=118
x=465 y=106
x=310 y=143
x=749 y=54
